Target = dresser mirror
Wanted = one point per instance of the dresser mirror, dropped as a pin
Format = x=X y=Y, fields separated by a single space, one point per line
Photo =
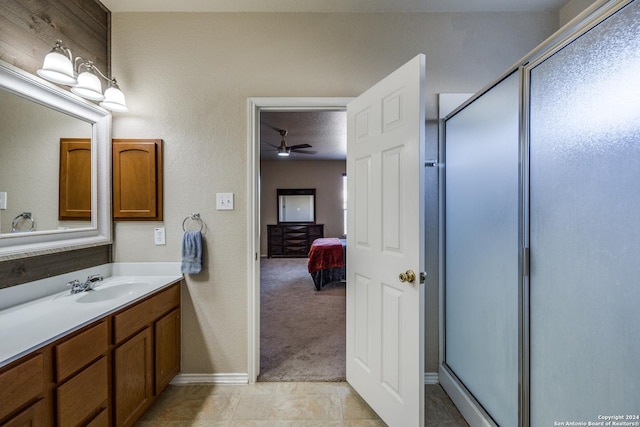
x=296 y=205
x=35 y=116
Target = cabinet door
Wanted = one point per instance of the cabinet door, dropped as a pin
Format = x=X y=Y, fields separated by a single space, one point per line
x=137 y=179
x=75 y=179
x=133 y=377
x=167 y=344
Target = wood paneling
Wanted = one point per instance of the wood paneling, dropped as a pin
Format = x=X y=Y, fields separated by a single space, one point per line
x=29 y=31
x=23 y=270
x=31 y=27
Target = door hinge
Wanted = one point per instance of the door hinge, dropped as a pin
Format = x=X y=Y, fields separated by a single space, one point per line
x=525 y=262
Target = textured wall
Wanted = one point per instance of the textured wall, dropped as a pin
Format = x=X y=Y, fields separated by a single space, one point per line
x=324 y=176
x=187 y=77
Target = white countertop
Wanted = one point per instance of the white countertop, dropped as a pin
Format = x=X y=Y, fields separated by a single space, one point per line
x=37 y=313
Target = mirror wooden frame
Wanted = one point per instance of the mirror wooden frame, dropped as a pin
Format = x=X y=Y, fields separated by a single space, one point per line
x=33 y=88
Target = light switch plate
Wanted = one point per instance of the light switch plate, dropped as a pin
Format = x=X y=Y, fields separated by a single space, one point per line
x=3 y=200
x=159 y=236
x=224 y=201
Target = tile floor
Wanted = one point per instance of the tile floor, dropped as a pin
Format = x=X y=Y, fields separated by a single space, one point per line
x=280 y=404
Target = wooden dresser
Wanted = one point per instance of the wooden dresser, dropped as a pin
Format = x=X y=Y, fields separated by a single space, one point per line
x=292 y=240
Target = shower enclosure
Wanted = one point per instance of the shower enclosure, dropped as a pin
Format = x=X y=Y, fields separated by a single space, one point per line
x=541 y=240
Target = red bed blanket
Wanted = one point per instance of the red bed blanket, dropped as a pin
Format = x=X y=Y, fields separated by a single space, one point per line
x=325 y=253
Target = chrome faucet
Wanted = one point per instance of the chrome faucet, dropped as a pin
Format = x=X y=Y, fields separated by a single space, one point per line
x=77 y=287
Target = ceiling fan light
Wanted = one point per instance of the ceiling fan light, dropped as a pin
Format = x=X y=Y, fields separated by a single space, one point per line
x=57 y=68
x=284 y=151
x=88 y=87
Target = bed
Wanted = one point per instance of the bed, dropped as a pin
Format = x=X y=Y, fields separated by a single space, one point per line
x=327 y=261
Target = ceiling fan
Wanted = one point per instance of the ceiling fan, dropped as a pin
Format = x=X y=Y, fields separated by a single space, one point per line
x=285 y=150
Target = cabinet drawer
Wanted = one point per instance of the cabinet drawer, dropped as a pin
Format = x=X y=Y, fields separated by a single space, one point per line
x=137 y=317
x=77 y=352
x=33 y=416
x=21 y=384
x=83 y=394
x=275 y=231
x=101 y=420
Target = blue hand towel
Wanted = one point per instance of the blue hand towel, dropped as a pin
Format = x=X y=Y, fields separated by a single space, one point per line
x=192 y=252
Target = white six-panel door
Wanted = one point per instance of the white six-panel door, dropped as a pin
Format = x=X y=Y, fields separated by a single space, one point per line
x=385 y=315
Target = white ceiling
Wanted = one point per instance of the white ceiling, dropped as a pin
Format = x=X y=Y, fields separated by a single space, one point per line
x=328 y=6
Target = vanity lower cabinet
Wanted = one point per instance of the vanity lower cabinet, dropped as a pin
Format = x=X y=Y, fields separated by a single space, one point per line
x=105 y=374
x=142 y=345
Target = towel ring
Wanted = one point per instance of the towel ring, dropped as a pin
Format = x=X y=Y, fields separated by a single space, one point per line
x=193 y=217
x=19 y=219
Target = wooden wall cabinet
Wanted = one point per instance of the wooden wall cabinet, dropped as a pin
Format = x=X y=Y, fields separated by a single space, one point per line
x=292 y=240
x=137 y=179
x=74 y=195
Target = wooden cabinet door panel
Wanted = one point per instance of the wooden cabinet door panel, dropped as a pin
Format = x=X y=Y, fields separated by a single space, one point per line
x=137 y=179
x=133 y=377
x=167 y=343
x=74 y=197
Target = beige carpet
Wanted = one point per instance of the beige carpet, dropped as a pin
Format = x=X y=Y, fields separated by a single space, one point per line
x=302 y=331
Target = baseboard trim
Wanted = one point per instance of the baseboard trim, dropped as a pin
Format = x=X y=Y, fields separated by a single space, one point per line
x=431 y=378
x=470 y=409
x=185 y=379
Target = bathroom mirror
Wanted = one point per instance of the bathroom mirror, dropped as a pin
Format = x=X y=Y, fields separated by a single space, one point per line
x=297 y=205
x=35 y=115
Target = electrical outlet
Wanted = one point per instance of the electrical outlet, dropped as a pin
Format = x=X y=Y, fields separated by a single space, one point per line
x=3 y=200
x=158 y=236
x=224 y=201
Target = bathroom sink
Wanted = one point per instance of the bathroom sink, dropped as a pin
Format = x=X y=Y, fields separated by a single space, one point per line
x=105 y=293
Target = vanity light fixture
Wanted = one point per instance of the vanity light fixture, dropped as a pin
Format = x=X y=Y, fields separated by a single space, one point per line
x=61 y=67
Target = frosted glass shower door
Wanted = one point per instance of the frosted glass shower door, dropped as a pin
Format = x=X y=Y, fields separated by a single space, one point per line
x=482 y=247
x=585 y=227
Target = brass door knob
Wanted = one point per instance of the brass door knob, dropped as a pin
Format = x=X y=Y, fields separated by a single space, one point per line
x=408 y=276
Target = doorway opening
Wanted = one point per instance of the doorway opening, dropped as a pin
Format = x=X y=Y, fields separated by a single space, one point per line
x=257 y=227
